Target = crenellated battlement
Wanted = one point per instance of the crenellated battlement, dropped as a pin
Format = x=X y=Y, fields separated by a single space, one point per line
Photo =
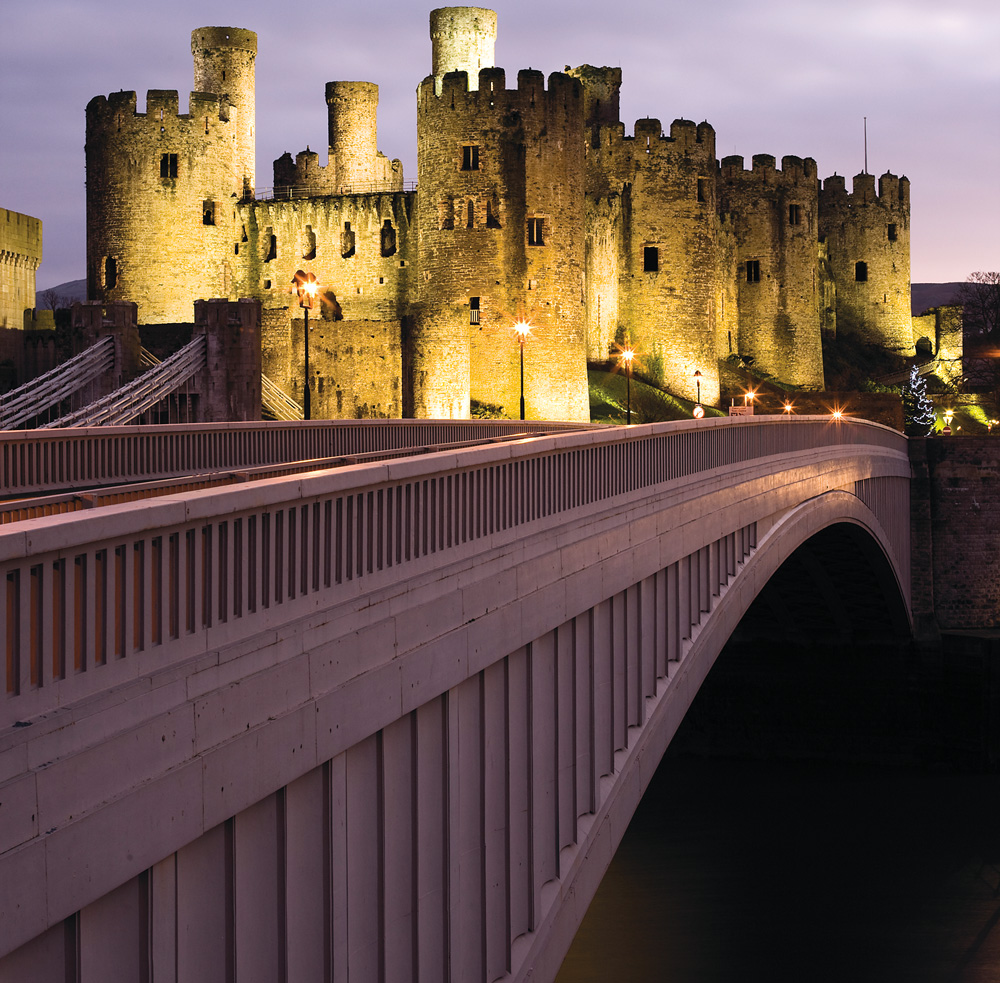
x=162 y=105
x=892 y=192
x=492 y=92
x=793 y=171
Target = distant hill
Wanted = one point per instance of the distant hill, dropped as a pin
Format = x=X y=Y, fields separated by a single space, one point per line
x=923 y=296
x=64 y=294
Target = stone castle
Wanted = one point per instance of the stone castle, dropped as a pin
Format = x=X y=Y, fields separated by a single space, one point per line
x=531 y=203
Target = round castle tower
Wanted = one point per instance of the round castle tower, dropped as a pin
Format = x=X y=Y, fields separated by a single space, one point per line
x=224 y=60
x=867 y=236
x=160 y=185
x=776 y=317
x=463 y=39
x=500 y=238
x=354 y=163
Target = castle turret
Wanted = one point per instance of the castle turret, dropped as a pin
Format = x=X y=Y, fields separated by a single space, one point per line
x=355 y=165
x=224 y=60
x=462 y=40
x=774 y=224
x=867 y=238
x=501 y=238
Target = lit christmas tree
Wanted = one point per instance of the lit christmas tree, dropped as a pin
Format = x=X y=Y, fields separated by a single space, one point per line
x=918 y=410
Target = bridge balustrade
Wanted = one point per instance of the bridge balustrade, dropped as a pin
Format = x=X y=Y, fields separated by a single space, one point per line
x=98 y=598
x=35 y=461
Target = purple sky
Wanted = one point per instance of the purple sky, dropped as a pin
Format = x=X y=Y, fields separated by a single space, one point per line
x=776 y=77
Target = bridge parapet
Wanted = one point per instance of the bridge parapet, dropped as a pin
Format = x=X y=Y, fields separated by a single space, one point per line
x=92 y=597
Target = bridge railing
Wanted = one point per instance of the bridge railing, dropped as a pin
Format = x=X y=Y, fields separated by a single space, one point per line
x=35 y=462
x=96 y=599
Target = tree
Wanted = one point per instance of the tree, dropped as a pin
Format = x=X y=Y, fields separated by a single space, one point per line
x=980 y=300
x=918 y=410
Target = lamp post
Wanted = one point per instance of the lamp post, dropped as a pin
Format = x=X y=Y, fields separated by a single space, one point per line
x=306 y=288
x=522 y=329
x=697 y=406
x=627 y=354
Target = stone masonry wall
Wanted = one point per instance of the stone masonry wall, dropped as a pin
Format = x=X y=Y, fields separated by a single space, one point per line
x=20 y=255
x=873 y=230
x=360 y=247
x=501 y=238
x=774 y=221
x=955 y=532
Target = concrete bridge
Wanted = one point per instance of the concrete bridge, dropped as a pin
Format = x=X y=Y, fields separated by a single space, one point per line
x=388 y=722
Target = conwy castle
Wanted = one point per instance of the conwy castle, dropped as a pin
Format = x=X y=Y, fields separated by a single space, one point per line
x=531 y=203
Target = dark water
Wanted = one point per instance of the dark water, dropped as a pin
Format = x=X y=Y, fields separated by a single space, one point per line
x=742 y=871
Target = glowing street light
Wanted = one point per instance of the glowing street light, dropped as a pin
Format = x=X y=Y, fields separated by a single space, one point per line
x=626 y=355
x=306 y=287
x=522 y=329
x=697 y=381
x=787 y=408
x=837 y=414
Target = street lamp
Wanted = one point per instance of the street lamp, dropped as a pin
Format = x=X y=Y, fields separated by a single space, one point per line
x=522 y=329
x=306 y=288
x=697 y=382
x=626 y=356
x=788 y=408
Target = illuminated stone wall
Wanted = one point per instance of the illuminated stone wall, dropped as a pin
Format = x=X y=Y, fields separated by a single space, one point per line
x=653 y=232
x=501 y=238
x=20 y=254
x=867 y=235
x=774 y=225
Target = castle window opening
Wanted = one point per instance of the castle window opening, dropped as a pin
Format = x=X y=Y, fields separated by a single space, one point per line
x=651 y=259
x=753 y=271
x=309 y=243
x=168 y=165
x=110 y=273
x=347 y=239
x=473 y=310
x=703 y=189
x=272 y=246
x=470 y=208
x=236 y=249
x=861 y=272
x=536 y=232
x=892 y=232
x=470 y=157
x=388 y=238
x=794 y=214
x=446 y=215
x=492 y=219
x=208 y=213
x=267 y=284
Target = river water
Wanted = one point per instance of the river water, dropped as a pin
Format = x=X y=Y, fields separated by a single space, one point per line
x=749 y=870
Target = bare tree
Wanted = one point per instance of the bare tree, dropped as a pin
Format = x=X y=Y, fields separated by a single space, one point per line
x=52 y=300
x=980 y=300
